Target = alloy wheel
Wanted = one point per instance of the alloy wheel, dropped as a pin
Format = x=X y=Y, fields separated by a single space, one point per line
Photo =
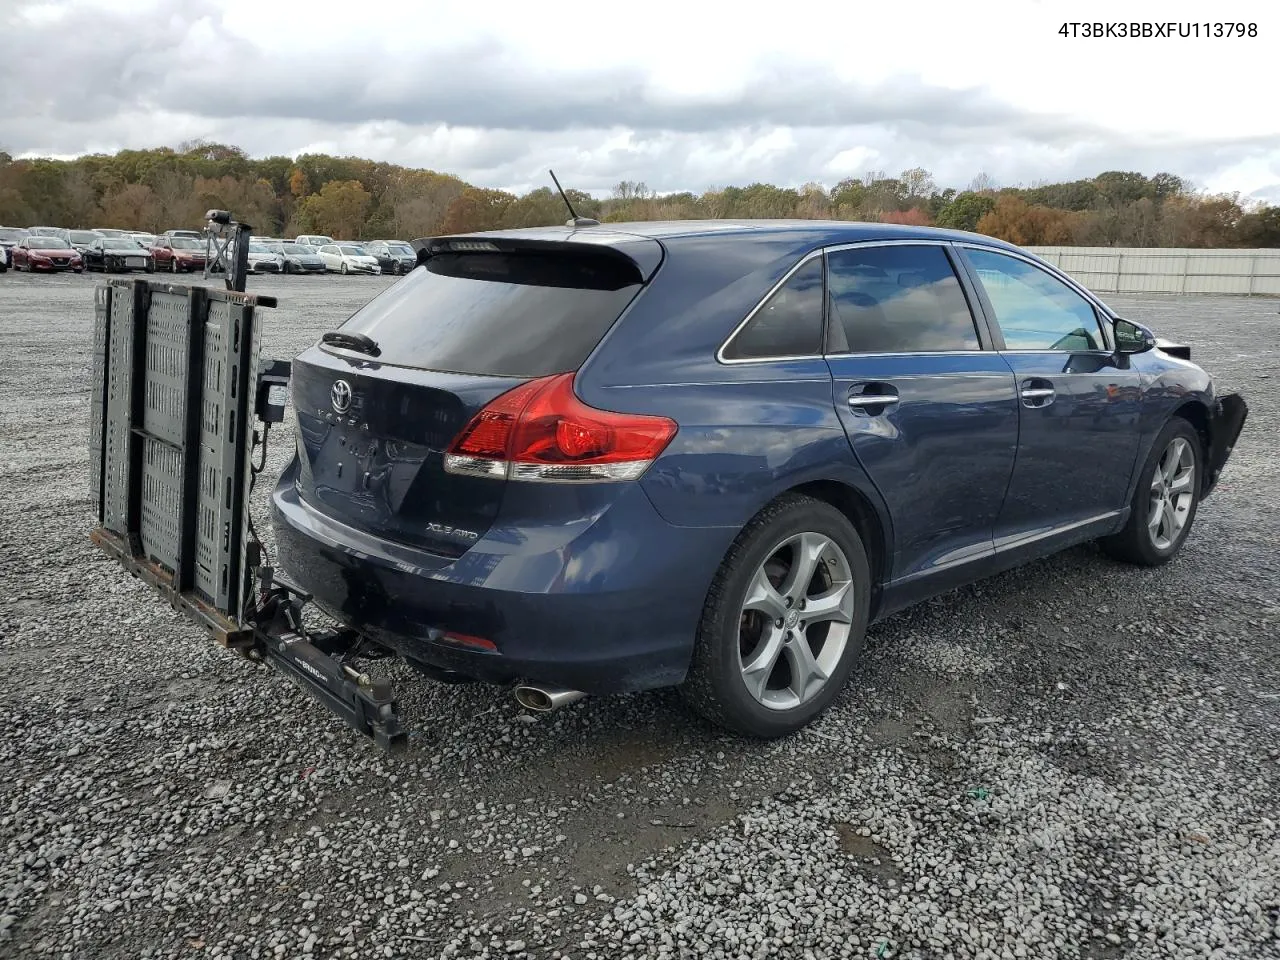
x=1172 y=493
x=795 y=621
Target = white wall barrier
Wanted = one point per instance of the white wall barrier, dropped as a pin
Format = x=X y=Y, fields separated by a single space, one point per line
x=1168 y=270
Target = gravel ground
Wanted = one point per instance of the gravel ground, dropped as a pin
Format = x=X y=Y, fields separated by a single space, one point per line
x=1075 y=759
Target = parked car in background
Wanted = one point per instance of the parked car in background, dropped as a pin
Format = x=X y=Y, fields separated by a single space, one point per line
x=9 y=236
x=262 y=259
x=189 y=234
x=313 y=240
x=144 y=238
x=80 y=239
x=109 y=232
x=178 y=254
x=44 y=231
x=347 y=258
x=37 y=252
x=393 y=256
x=298 y=258
x=118 y=255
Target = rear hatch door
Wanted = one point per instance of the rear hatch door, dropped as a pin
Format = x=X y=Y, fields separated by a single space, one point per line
x=455 y=334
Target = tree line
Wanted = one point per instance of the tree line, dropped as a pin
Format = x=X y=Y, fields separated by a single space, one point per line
x=349 y=197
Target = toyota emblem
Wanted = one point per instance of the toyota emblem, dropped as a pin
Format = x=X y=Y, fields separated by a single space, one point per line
x=340 y=395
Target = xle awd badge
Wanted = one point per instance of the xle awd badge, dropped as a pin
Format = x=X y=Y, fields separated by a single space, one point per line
x=340 y=396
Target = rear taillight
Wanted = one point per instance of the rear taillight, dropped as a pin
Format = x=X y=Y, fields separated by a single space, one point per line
x=542 y=431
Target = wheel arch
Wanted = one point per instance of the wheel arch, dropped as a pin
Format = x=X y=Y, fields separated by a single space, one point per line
x=865 y=519
x=1196 y=413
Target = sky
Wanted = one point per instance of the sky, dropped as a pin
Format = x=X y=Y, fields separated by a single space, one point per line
x=679 y=96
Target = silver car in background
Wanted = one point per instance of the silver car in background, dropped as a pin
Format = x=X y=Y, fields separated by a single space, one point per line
x=298 y=258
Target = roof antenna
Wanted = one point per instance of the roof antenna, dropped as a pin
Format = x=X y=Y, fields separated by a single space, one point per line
x=576 y=220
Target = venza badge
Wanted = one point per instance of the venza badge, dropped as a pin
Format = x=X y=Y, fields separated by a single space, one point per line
x=340 y=396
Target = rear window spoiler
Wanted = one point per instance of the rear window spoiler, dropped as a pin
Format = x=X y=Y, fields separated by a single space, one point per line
x=643 y=253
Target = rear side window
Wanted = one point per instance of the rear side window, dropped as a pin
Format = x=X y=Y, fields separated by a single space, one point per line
x=499 y=314
x=788 y=324
x=897 y=299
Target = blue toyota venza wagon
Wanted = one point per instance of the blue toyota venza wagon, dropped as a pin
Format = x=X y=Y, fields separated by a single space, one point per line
x=600 y=458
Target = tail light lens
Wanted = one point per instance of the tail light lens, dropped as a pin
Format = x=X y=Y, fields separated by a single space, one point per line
x=542 y=431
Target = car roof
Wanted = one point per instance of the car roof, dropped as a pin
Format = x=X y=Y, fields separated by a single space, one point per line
x=821 y=232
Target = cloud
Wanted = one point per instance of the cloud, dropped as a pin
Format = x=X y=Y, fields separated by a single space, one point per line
x=499 y=103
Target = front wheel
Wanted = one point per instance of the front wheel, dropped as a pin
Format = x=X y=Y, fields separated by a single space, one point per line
x=344 y=267
x=1165 y=500
x=784 y=620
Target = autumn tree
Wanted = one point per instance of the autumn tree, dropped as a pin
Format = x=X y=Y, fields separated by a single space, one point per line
x=476 y=209
x=966 y=210
x=1259 y=228
x=1015 y=220
x=338 y=210
x=914 y=217
x=131 y=206
x=352 y=196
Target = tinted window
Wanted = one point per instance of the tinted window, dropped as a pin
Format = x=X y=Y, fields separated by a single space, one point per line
x=1035 y=310
x=897 y=299
x=503 y=314
x=788 y=324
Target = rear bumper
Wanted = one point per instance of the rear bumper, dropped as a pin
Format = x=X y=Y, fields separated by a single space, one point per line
x=607 y=605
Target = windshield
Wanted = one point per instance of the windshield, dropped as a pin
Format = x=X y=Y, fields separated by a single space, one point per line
x=182 y=243
x=258 y=248
x=402 y=249
x=12 y=233
x=83 y=236
x=295 y=249
x=122 y=243
x=353 y=251
x=48 y=243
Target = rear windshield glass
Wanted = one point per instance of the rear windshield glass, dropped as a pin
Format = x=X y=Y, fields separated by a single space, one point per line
x=499 y=314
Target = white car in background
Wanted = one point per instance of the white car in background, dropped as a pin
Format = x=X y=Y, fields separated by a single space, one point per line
x=313 y=240
x=262 y=259
x=347 y=258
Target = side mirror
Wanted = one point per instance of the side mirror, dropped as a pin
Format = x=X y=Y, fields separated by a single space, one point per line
x=1133 y=337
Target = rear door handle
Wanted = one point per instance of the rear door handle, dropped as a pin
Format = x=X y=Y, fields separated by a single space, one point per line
x=872 y=398
x=1036 y=392
x=863 y=400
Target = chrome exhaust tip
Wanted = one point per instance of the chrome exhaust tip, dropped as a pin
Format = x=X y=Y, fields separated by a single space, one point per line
x=545 y=699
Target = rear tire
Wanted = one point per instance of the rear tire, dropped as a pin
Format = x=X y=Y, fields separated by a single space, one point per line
x=1165 y=501
x=759 y=666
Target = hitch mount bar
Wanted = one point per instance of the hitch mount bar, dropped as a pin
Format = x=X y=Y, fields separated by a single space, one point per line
x=320 y=662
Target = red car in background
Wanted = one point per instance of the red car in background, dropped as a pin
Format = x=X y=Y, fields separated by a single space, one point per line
x=45 y=253
x=178 y=254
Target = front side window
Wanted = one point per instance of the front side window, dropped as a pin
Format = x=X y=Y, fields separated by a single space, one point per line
x=788 y=324
x=1035 y=310
x=897 y=299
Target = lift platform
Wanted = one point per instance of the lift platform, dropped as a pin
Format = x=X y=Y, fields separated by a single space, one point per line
x=181 y=400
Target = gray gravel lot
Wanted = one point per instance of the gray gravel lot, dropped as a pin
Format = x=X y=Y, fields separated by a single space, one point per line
x=1075 y=759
